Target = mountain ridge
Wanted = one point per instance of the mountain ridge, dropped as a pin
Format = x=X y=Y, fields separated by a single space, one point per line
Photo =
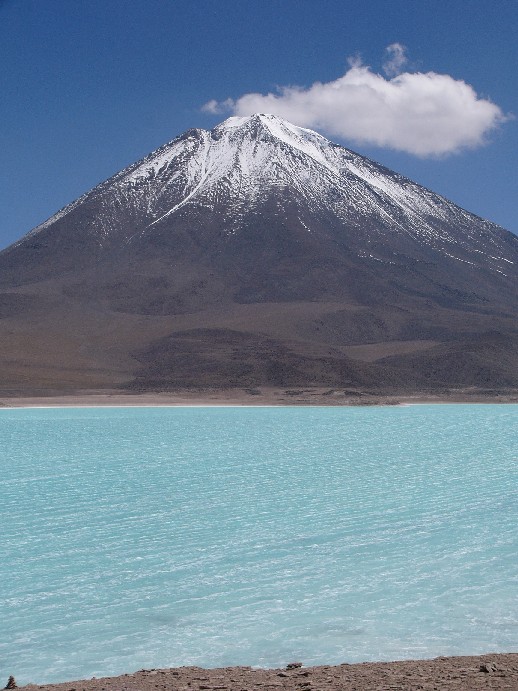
x=301 y=138
x=238 y=225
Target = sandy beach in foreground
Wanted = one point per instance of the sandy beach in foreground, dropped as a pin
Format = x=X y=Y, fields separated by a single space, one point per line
x=248 y=397
x=497 y=671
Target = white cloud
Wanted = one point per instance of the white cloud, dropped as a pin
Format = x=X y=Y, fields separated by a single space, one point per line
x=217 y=107
x=425 y=114
x=396 y=59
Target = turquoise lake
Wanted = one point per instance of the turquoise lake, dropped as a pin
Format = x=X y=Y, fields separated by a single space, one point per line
x=152 y=537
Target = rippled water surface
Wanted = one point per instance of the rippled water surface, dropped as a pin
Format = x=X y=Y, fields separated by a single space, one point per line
x=147 y=537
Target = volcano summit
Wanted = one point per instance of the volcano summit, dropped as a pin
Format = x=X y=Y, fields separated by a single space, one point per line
x=260 y=254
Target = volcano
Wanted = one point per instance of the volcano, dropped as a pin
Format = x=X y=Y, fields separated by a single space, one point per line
x=259 y=254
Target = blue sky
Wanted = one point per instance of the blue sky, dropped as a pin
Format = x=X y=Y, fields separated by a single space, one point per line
x=87 y=88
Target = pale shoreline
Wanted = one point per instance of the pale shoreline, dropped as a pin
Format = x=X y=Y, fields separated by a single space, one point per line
x=311 y=396
x=466 y=673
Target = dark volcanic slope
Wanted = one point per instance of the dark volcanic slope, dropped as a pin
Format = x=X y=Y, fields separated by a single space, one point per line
x=259 y=253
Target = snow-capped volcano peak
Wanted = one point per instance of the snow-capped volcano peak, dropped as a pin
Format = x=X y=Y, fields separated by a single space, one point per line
x=256 y=253
x=239 y=163
x=247 y=164
x=256 y=119
x=274 y=125
x=261 y=125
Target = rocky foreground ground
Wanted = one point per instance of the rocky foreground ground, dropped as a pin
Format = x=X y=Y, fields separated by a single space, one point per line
x=466 y=673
